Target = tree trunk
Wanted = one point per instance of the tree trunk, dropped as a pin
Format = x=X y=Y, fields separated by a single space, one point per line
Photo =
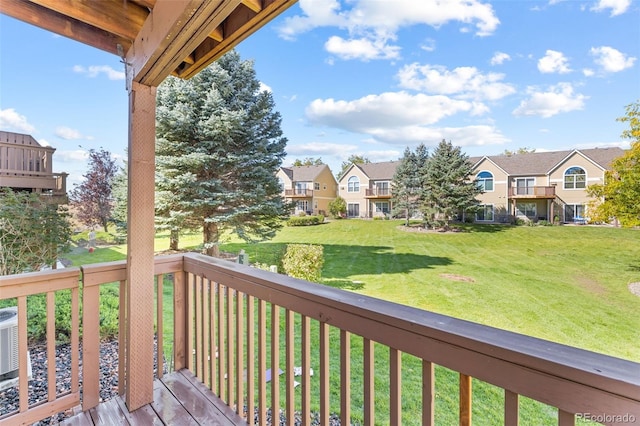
x=174 y=238
x=210 y=237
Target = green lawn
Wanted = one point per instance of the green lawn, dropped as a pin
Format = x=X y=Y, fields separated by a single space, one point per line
x=567 y=284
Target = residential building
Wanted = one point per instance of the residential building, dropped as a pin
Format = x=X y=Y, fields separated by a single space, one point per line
x=366 y=188
x=311 y=188
x=25 y=164
x=540 y=185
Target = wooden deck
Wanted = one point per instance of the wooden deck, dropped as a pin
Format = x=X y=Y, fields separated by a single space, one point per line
x=179 y=399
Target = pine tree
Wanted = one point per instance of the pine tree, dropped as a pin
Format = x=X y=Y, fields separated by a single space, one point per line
x=93 y=199
x=407 y=182
x=447 y=189
x=219 y=144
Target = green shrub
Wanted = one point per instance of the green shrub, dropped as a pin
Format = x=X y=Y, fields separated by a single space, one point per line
x=303 y=261
x=338 y=208
x=305 y=220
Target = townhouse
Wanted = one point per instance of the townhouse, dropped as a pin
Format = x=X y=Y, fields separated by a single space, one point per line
x=366 y=188
x=311 y=188
x=536 y=186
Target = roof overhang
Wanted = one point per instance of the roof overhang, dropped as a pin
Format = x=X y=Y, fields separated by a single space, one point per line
x=155 y=38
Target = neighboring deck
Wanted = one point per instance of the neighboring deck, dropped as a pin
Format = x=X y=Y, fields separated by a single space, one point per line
x=179 y=399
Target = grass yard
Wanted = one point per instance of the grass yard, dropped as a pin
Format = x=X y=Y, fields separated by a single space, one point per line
x=567 y=284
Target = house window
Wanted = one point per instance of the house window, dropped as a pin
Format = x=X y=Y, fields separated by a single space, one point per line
x=302 y=206
x=573 y=212
x=353 y=210
x=485 y=181
x=526 y=209
x=316 y=186
x=382 y=207
x=382 y=188
x=484 y=213
x=575 y=178
x=353 y=184
x=281 y=183
x=301 y=188
x=524 y=186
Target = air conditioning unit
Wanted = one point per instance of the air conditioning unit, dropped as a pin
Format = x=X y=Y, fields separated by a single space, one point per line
x=9 y=363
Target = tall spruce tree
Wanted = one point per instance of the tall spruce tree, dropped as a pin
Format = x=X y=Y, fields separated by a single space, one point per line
x=447 y=189
x=407 y=182
x=219 y=144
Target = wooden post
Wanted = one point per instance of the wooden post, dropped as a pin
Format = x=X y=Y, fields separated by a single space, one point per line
x=140 y=250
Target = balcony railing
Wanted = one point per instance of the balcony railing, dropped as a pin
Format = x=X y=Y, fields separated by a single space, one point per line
x=234 y=325
x=301 y=193
x=532 y=192
x=378 y=193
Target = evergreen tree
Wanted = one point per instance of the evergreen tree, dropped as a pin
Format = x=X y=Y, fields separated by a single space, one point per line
x=407 y=182
x=93 y=199
x=119 y=192
x=219 y=144
x=447 y=189
x=619 y=196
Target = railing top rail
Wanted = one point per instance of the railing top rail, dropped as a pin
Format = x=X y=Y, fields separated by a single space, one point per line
x=31 y=283
x=506 y=359
x=101 y=273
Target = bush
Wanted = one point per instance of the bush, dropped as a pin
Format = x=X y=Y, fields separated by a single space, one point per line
x=303 y=261
x=338 y=208
x=305 y=220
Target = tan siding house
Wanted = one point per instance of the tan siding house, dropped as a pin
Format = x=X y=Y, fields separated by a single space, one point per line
x=312 y=188
x=540 y=186
x=27 y=165
x=367 y=188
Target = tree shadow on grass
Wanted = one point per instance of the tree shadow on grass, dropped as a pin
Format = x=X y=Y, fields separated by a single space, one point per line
x=341 y=262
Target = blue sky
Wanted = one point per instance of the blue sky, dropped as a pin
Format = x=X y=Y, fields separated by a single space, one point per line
x=369 y=77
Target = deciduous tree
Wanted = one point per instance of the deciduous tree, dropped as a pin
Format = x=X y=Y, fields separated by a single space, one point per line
x=308 y=162
x=219 y=144
x=619 y=196
x=93 y=199
x=353 y=159
x=33 y=231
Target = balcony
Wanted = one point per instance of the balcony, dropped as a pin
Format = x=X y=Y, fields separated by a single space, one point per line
x=378 y=193
x=233 y=325
x=532 y=192
x=298 y=193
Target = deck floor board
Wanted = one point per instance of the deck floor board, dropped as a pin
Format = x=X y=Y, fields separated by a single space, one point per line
x=179 y=398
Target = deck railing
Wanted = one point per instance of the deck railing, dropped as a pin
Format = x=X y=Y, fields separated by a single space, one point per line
x=236 y=328
x=532 y=191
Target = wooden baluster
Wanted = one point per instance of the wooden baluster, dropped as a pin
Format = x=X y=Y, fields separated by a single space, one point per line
x=290 y=361
x=428 y=393
x=275 y=364
x=511 y=415
x=324 y=373
x=306 y=365
x=262 y=361
x=465 y=400
x=395 y=386
x=251 y=363
x=198 y=330
x=345 y=377
x=369 y=382
x=565 y=418
x=159 y=326
x=239 y=352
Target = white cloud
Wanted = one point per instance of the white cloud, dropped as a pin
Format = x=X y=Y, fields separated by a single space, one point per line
x=387 y=110
x=557 y=99
x=362 y=48
x=499 y=58
x=68 y=133
x=264 y=88
x=12 y=121
x=588 y=72
x=95 y=70
x=373 y=25
x=610 y=59
x=553 y=62
x=618 y=7
x=478 y=135
x=465 y=82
